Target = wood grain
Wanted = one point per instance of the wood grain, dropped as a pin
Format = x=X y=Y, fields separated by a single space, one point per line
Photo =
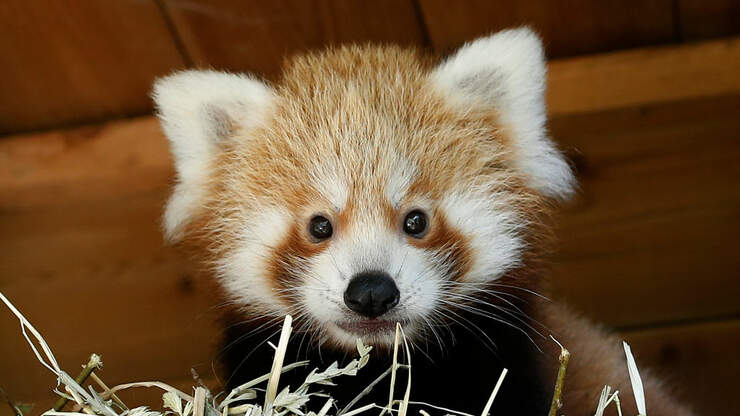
x=111 y=160
x=83 y=258
x=633 y=78
x=68 y=61
x=571 y=27
x=651 y=234
x=703 y=19
x=255 y=36
x=700 y=360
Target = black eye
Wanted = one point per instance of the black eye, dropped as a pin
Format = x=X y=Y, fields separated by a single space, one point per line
x=415 y=223
x=320 y=228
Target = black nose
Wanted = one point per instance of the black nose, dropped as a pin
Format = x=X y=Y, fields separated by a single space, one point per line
x=371 y=293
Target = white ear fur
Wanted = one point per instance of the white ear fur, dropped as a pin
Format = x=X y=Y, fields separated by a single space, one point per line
x=506 y=72
x=198 y=110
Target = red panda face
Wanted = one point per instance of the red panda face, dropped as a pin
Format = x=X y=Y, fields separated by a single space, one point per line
x=367 y=188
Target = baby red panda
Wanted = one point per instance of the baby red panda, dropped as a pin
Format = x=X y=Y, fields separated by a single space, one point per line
x=374 y=185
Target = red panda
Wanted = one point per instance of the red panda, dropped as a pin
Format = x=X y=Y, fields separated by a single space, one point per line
x=374 y=185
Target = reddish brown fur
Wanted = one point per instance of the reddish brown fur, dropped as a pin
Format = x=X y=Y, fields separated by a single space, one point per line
x=597 y=359
x=286 y=261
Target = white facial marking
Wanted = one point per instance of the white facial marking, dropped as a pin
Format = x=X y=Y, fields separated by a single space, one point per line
x=493 y=231
x=371 y=246
x=398 y=183
x=243 y=273
x=329 y=184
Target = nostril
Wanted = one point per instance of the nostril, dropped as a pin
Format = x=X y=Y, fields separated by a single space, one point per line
x=391 y=301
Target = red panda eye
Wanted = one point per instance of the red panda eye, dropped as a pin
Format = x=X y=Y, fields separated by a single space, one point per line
x=320 y=228
x=415 y=223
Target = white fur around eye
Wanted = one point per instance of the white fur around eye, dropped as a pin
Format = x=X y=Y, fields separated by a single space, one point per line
x=493 y=232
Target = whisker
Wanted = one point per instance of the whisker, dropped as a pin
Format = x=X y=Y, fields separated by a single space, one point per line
x=517 y=314
x=233 y=373
x=492 y=317
x=492 y=344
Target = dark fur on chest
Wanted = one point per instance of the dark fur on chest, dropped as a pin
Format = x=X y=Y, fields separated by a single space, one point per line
x=459 y=377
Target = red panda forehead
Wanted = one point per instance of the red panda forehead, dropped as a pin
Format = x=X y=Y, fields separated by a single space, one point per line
x=382 y=66
x=364 y=126
x=376 y=164
x=361 y=134
x=322 y=167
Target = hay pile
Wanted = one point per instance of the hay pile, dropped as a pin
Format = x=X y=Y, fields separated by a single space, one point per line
x=250 y=399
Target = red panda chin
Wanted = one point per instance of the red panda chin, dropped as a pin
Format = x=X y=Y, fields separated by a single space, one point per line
x=377 y=332
x=368 y=327
x=371 y=332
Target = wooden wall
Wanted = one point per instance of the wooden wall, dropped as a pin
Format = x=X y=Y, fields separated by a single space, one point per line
x=67 y=62
x=648 y=246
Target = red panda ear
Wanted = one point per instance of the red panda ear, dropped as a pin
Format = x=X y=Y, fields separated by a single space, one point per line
x=506 y=73
x=198 y=111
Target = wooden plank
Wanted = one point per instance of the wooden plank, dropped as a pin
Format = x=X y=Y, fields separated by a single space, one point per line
x=68 y=62
x=652 y=233
x=111 y=160
x=639 y=161
x=699 y=360
x=569 y=28
x=630 y=78
x=255 y=36
x=84 y=259
x=703 y=19
x=95 y=277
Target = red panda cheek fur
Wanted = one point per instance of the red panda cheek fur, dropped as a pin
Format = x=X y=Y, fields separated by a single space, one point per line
x=287 y=261
x=449 y=243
